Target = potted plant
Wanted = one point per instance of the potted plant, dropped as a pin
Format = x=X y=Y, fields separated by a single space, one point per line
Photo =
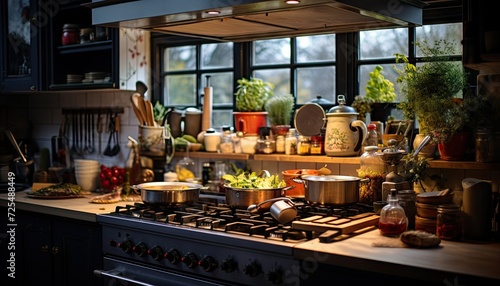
x=250 y=98
x=279 y=111
x=437 y=95
x=414 y=170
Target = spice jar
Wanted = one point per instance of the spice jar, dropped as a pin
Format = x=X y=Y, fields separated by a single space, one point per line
x=280 y=144
x=226 y=144
x=303 y=145
x=317 y=145
x=71 y=34
x=449 y=222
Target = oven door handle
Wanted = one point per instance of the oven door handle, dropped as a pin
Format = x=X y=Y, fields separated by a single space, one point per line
x=115 y=273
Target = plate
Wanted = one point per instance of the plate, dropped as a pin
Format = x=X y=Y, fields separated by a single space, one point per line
x=55 y=197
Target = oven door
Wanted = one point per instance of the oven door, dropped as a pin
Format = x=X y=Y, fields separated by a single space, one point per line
x=120 y=273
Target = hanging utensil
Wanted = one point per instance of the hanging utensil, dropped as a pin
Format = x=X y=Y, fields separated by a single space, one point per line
x=116 y=147
x=9 y=135
x=99 y=133
x=74 y=133
x=111 y=128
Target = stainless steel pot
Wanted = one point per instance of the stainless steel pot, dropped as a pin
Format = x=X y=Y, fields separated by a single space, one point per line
x=281 y=209
x=243 y=198
x=331 y=189
x=169 y=193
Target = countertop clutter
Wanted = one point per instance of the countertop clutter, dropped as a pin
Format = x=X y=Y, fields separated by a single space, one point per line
x=451 y=263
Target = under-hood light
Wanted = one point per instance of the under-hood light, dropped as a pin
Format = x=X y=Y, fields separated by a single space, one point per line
x=213 y=12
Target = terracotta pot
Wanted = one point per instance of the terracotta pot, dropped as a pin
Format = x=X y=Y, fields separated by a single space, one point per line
x=456 y=148
x=249 y=122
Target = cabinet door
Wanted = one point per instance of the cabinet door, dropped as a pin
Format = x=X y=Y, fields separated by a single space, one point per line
x=33 y=250
x=79 y=252
x=23 y=25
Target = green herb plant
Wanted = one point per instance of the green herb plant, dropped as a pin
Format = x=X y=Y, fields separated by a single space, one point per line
x=159 y=112
x=252 y=94
x=378 y=88
x=436 y=93
x=279 y=109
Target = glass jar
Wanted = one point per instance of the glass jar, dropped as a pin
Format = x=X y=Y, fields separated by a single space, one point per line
x=372 y=138
x=291 y=142
x=303 y=145
x=226 y=144
x=317 y=145
x=371 y=167
x=449 y=222
x=393 y=220
x=280 y=144
x=71 y=34
x=407 y=200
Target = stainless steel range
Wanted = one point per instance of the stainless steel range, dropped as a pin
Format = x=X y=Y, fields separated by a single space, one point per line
x=212 y=244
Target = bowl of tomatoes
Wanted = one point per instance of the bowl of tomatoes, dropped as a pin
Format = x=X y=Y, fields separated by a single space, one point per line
x=111 y=177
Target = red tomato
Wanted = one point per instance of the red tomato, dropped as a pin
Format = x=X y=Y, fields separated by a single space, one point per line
x=105 y=184
x=113 y=180
x=102 y=176
x=122 y=171
x=116 y=172
x=121 y=179
x=109 y=173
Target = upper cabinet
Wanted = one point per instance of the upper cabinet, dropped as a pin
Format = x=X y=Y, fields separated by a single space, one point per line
x=83 y=56
x=23 y=26
x=481 y=41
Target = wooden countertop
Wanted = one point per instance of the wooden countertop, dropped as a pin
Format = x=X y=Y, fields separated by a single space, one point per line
x=76 y=208
x=465 y=260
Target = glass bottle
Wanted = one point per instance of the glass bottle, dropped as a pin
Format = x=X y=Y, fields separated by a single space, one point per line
x=449 y=222
x=372 y=138
x=291 y=142
x=393 y=220
x=372 y=167
x=186 y=168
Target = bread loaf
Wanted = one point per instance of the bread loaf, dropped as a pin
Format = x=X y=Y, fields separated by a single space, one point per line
x=420 y=239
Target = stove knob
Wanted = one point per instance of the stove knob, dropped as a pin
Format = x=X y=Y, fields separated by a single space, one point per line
x=125 y=245
x=140 y=249
x=228 y=265
x=156 y=252
x=173 y=256
x=252 y=269
x=190 y=260
x=208 y=263
x=275 y=276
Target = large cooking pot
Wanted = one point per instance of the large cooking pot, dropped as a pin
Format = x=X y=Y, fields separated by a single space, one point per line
x=168 y=193
x=344 y=133
x=242 y=198
x=331 y=189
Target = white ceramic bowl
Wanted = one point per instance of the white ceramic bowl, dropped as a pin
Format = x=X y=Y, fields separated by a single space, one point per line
x=89 y=182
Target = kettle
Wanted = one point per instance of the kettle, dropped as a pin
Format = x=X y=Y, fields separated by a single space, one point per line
x=344 y=132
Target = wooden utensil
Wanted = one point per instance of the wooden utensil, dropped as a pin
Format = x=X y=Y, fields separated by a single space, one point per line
x=149 y=113
x=137 y=104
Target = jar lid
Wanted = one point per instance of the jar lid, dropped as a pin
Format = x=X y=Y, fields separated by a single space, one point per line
x=372 y=126
x=342 y=108
x=71 y=26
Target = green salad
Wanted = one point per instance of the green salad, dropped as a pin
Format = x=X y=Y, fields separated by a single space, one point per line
x=252 y=181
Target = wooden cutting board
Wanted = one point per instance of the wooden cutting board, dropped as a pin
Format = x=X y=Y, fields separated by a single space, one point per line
x=343 y=225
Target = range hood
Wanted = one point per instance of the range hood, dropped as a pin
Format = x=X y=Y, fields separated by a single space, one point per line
x=244 y=20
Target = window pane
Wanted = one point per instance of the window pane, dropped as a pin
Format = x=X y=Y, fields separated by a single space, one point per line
x=387 y=71
x=432 y=33
x=316 y=48
x=217 y=55
x=180 y=58
x=269 y=52
x=222 y=118
x=222 y=85
x=383 y=43
x=279 y=77
x=312 y=82
x=180 y=90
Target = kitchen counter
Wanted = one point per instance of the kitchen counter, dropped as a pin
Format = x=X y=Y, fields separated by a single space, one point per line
x=75 y=208
x=455 y=262
x=465 y=261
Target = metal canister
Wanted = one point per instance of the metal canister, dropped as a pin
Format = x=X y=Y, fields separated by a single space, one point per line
x=407 y=200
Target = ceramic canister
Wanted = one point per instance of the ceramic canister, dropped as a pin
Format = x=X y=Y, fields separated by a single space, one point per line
x=344 y=133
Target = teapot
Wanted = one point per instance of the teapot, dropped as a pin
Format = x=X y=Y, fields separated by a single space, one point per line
x=344 y=132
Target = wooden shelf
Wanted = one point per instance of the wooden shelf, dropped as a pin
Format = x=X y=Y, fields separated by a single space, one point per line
x=436 y=164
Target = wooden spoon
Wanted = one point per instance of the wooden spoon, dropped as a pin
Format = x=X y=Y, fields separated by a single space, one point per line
x=137 y=104
x=149 y=113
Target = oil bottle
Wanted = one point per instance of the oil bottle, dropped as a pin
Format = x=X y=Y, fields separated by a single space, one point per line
x=393 y=220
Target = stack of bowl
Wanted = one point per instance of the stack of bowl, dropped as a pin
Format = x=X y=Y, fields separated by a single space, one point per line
x=87 y=174
x=427 y=204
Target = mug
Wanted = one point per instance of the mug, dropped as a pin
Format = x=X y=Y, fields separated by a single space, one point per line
x=152 y=138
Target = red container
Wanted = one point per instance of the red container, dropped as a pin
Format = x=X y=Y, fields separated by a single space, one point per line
x=71 y=34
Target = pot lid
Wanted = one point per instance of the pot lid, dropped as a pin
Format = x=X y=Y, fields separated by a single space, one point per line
x=342 y=108
x=321 y=101
x=309 y=119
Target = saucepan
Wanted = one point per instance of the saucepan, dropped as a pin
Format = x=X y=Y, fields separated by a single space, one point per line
x=281 y=209
x=331 y=189
x=242 y=198
x=168 y=193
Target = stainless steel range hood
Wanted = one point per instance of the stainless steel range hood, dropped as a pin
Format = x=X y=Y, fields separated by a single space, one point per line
x=243 y=20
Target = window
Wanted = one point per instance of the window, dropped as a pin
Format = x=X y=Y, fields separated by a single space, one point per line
x=187 y=69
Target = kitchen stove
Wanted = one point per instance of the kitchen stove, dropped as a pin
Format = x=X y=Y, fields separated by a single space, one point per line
x=213 y=244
